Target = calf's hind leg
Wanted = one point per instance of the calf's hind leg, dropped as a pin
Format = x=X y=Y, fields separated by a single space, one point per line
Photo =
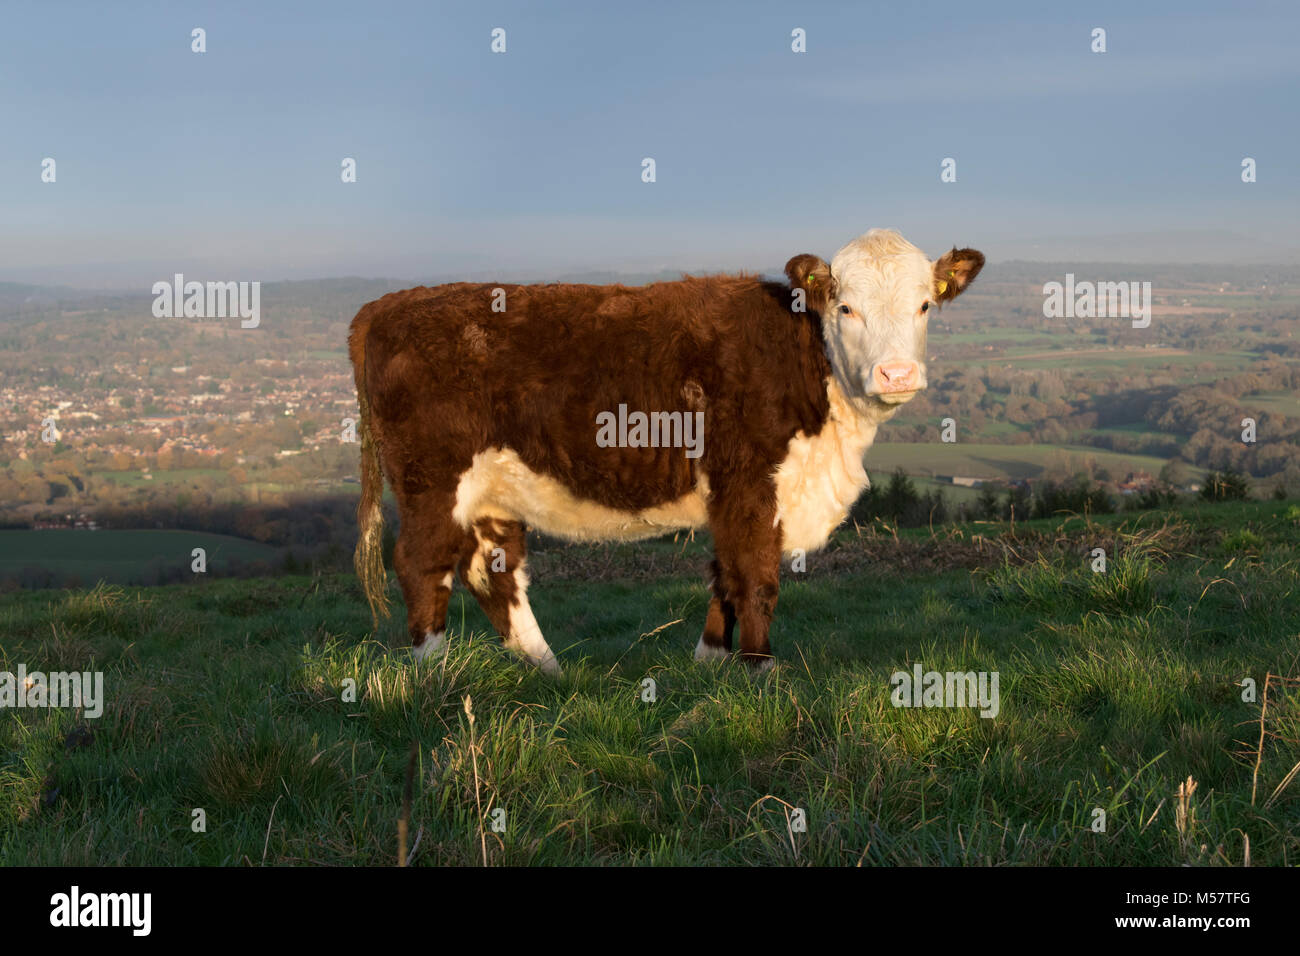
x=495 y=574
x=428 y=548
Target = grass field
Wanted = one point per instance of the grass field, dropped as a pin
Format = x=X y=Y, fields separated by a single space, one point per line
x=987 y=335
x=955 y=494
x=1110 y=362
x=233 y=697
x=120 y=556
x=178 y=476
x=1116 y=358
x=978 y=459
x=1284 y=403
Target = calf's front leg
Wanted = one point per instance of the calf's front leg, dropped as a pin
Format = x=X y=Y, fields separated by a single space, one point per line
x=715 y=642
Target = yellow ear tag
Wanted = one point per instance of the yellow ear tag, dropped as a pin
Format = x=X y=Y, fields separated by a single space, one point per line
x=943 y=287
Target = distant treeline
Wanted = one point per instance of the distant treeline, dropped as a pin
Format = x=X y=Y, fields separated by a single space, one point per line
x=314 y=525
x=898 y=502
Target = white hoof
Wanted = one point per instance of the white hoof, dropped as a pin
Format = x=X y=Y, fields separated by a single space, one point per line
x=541 y=657
x=525 y=636
x=430 y=649
x=710 y=652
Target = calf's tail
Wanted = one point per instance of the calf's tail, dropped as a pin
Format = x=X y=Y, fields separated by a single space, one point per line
x=369 y=557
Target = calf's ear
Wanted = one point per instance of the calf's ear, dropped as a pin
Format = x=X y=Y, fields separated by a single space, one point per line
x=813 y=275
x=955 y=271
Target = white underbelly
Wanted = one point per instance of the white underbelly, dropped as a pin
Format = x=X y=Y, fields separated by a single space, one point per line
x=816 y=485
x=499 y=485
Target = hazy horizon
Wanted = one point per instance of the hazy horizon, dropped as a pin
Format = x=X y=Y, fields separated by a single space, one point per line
x=226 y=164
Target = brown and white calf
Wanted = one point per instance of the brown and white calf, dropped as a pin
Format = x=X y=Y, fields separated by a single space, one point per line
x=487 y=421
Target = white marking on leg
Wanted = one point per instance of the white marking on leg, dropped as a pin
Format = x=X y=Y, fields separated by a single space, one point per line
x=430 y=649
x=525 y=636
x=710 y=652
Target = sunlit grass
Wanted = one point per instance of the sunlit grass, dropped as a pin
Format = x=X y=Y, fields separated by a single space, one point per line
x=266 y=705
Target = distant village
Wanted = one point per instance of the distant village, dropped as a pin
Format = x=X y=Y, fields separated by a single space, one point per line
x=181 y=410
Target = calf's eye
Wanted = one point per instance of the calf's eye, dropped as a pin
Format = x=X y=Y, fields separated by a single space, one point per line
x=845 y=310
x=925 y=307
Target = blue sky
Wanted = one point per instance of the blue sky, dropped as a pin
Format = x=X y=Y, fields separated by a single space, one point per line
x=529 y=163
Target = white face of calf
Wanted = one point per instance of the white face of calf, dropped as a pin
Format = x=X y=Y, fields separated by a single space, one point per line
x=876 y=298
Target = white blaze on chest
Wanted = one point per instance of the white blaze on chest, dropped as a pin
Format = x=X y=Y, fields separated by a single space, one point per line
x=499 y=485
x=822 y=475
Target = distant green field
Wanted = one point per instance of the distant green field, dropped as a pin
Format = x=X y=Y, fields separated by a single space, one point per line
x=1284 y=403
x=1246 y=303
x=956 y=494
x=1002 y=429
x=118 y=556
x=1183 y=369
x=1228 y=361
x=1029 y=352
x=1000 y=461
x=990 y=335
x=179 y=476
